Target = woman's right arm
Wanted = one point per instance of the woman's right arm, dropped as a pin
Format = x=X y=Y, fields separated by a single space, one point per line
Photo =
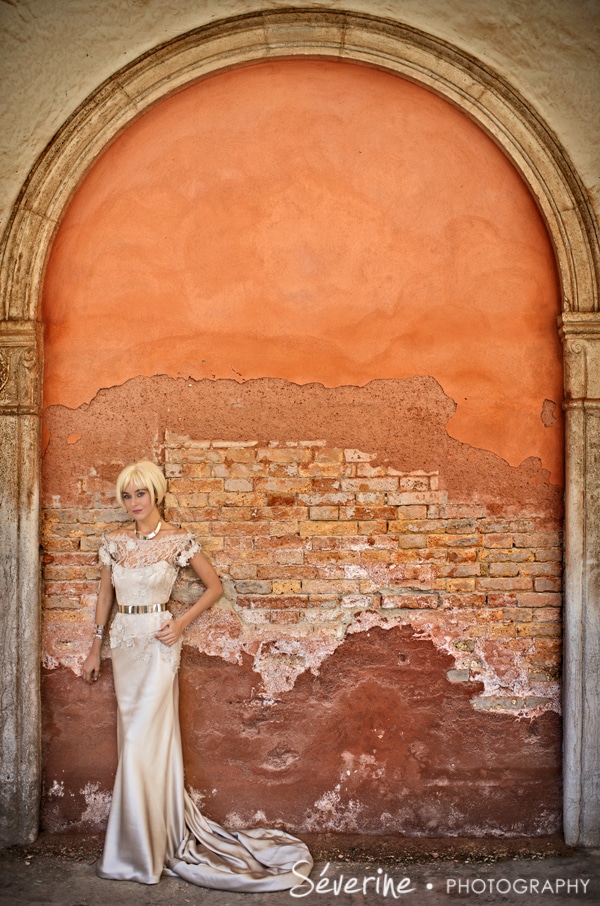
x=91 y=666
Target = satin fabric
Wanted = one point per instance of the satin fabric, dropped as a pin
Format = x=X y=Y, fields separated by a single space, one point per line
x=154 y=826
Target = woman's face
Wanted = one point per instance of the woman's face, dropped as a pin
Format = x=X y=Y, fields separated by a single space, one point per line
x=138 y=502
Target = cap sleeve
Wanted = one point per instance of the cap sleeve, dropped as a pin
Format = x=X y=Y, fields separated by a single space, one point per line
x=187 y=550
x=107 y=552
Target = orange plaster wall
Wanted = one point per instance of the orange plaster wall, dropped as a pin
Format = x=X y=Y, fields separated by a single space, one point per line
x=317 y=222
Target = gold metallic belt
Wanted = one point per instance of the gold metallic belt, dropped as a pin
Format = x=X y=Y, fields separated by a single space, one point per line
x=140 y=608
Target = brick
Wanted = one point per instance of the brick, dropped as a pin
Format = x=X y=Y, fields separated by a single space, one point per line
x=243 y=485
x=548 y=614
x=289 y=557
x=364 y=602
x=286 y=586
x=329 y=586
x=369 y=485
x=504 y=569
x=466 y=585
x=351 y=455
x=324 y=602
x=284 y=455
x=270 y=602
x=508 y=599
x=324 y=513
x=518 y=583
x=209 y=544
x=69 y=589
x=283 y=528
x=234 y=444
x=368 y=513
x=458 y=676
x=179 y=486
x=240 y=543
x=409 y=541
x=371 y=498
x=457 y=570
x=552 y=585
x=499 y=555
x=287 y=571
x=188 y=500
x=549 y=568
x=408 y=512
x=254 y=587
x=329 y=455
x=273 y=485
x=274 y=500
x=64 y=573
x=324 y=616
x=327 y=558
x=414 y=483
x=236 y=514
x=197 y=470
x=537 y=630
x=502 y=630
x=551 y=553
x=458 y=554
x=410 y=601
x=290 y=616
x=535 y=540
x=273 y=542
x=256 y=617
x=323 y=470
x=457 y=601
x=239 y=528
x=243 y=571
x=493 y=539
x=415 y=498
x=197 y=528
x=364 y=470
x=192 y=514
x=328 y=528
x=451 y=540
x=366 y=542
x=541 y=599
x=237 y=499
x=62 y=602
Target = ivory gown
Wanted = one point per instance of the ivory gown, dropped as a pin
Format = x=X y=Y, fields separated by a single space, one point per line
x=154 y=825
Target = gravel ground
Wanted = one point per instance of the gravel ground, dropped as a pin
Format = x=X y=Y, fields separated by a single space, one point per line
x=60 y=871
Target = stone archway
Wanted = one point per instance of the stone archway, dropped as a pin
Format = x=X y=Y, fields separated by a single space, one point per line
x=498 y=110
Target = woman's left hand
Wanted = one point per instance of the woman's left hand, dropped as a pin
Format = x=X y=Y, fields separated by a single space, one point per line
x=169 y=632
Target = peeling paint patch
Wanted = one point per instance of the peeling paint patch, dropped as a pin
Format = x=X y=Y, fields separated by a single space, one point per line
x=314 y=542
x=97 y=805
x=56 y=790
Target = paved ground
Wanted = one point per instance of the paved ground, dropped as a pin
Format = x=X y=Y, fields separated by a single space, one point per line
x=60 y=871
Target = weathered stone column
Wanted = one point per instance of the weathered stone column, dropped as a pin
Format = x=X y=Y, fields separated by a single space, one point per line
x=20 y=755
x=581 y=337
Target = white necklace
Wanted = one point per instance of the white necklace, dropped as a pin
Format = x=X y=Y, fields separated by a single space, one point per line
x=151 y=535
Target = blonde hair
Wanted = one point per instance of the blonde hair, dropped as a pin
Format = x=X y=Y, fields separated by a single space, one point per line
x=143 y=474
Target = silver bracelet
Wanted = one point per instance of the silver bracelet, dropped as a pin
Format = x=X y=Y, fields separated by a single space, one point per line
x=99 y=631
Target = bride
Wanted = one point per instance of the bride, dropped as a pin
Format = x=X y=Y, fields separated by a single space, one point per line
x=154 y=826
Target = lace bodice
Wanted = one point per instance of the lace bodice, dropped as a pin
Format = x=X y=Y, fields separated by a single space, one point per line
x=143 y=572
x=175 y=548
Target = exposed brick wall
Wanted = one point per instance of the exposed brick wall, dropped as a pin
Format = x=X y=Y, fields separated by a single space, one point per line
x=314 y=542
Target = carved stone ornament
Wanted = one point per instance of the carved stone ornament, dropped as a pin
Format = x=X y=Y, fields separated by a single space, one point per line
x=4 y=370
x=20 y=379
